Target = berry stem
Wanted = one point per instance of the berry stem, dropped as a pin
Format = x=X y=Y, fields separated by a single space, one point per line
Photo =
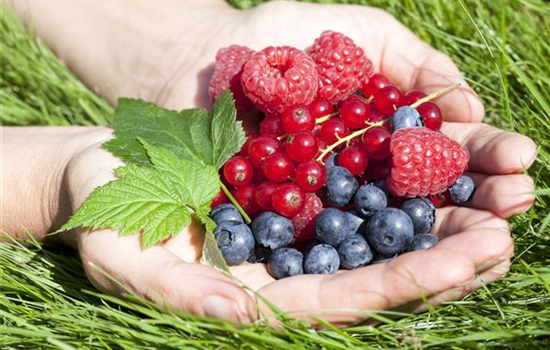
x=235 y=203
x=351 y=136
x=435 y=95
x=326 y=117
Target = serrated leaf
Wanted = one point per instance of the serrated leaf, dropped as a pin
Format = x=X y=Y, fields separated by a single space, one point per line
x=211 y=254
x=192 y=134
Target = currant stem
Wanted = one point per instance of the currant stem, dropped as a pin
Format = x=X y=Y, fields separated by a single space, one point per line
x=235 y=203
x=435 y=95
x=348 y=138
x=326 y=117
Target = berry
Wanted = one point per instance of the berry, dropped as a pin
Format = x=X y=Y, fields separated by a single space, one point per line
x=227 y=75
x=441 y=200
x=341 y=186
x=331 y=161
x=297 y=118
x=238 y=171
x=462 y=190
x=261 y=147
x=264 y=193
x=311 y=176
x=357 y=225
x=320 y=107
x=389 y=231
x=354 y=159
x=425 y=162
x=431 y=114
x=422 y=241
x=301 y=146
x=226 y=212
x=422 y=213
x=354 y=252
x=220 y=198
x=235 y=241
x=272 y=126
x=382 y=259
x=342 y=66
x=332 y=227
x=278 y=167
x=288 y=200
x=406 y=117
x=285 y=262
x=272 y=230
x=381 y=184
x=277 y=78
x=369 y=199
x=333 y=130
x=244 y=149
x=321 y=259
x=304 y=222
x=376 y=143
x=259 y=254
x=412 y=96
x=376 y=82
x=355 y=113
x=244 y=195
x=388 y=99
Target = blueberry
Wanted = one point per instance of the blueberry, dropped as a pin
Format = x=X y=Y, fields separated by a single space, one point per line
x=259 y=254
x=354 y=251
x=389 y=231
x=422 y=241
x=369 y=199
x=341 y=186
x=331 y=161
x=332 y=227
x=422 y=213
x=236 y=242
x=383 y=185
x=272 y=230
x=321 y=259
x=380 y=259
x=406 y=117
x=226 y=212
x=357 y=225
x=462 y=189
x=285 y=262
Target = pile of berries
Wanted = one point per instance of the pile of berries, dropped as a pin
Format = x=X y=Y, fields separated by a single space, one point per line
x=346 y=169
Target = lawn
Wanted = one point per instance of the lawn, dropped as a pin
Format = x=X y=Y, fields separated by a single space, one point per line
x=503 y=47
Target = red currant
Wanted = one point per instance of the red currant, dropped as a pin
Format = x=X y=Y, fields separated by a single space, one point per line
x=441 y=200
x=388 y=99
x=376 y=143
x=354 y=159
x=220 y=198
x=311 y=176
x=413 y=96
x=431 y=114
x=320 y=107
x=244 y=195
x=244 y=149
x=376 y=82
x=301 y=146
x=261 y=147
x=355 y=113
x=263 y=194
x=272 y=126
x=288 y=200
x=238 y=171
x=376 y=117
x=377 y=169
x=333 y=130
x=298 y=118
x=278 y=167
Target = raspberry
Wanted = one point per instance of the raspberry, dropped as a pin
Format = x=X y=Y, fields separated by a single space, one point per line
x=343 y=67
x=424 y=162
x=227 y=75
x=304 y=222
x=280 y=77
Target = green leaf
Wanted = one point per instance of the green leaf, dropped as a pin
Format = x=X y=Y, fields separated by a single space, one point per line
x=192 y=134
x=211 y=254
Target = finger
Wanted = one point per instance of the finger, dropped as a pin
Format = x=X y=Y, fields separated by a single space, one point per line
x=505 y=195
x=493 y=151
x=339 y=298
x=453 y=220
x=413 y=64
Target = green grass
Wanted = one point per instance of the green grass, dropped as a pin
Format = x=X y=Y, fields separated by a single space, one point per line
x=502 y=46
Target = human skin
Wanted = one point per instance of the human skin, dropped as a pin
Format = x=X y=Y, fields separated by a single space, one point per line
x=159 y=51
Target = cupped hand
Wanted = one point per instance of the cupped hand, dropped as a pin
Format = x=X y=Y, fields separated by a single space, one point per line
x=476 y=245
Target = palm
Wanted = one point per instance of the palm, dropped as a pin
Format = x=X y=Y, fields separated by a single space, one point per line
x=475 y=239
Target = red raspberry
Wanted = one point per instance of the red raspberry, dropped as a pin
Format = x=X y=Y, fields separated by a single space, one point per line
x=280 y=77
x=227 y=75
x=424 y=162
x=343 y=67
x=304 y=222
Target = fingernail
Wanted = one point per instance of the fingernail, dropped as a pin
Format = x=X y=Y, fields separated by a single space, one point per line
x=220 y=307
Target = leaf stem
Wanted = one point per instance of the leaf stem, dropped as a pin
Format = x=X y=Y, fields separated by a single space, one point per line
x=323 y=119
x=435 y=95
x=235 y=203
